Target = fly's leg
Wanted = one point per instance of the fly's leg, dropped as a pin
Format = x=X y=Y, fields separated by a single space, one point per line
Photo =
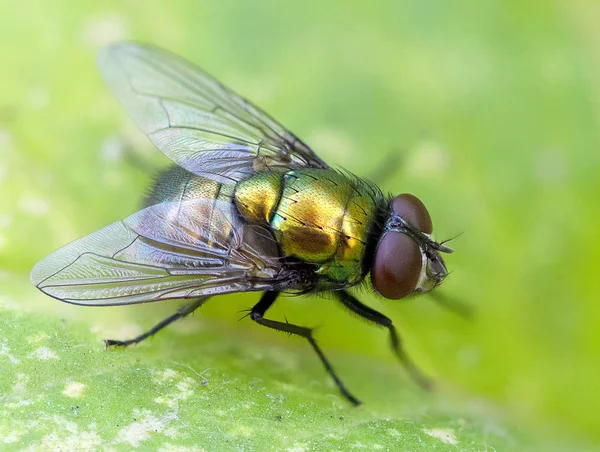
x=181 y=312
x=372 y=315
x=457 y=307
x=257 y=314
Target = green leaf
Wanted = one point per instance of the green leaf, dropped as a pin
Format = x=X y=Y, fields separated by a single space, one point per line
x=202 y=385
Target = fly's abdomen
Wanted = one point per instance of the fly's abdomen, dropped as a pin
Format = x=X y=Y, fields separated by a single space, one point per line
x=176 y=183
x=257 y=197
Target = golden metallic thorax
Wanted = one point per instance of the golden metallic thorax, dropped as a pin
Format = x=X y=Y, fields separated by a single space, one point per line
x=319 y=216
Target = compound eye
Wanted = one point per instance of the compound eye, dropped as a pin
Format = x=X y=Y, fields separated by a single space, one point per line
x=412 y=210
x=397 y=266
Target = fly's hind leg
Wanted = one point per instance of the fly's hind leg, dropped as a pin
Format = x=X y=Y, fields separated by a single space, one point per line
x=181 y=312
x=257 y=314
x=372 y=315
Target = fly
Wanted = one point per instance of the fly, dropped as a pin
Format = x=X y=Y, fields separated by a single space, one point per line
x=247 y=207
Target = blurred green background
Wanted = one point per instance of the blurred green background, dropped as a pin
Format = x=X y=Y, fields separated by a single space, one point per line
x=494 y=110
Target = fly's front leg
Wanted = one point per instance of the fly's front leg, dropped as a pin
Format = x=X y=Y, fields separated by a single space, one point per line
x=459 y=308
x=257 y=314
x=181 y=312
x=372 y=315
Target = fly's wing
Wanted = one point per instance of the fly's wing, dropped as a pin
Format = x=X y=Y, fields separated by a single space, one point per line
x=179 y=249
x=196 y=121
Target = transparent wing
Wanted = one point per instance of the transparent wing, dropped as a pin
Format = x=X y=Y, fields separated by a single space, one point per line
x=196 y=121
x=183 y=249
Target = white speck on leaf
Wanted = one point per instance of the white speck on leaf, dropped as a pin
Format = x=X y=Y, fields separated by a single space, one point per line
x=446 y=435
x=164 y=376
x=182 y=386
x=176 y=448
x=45 y=353
x=20 y=385
x=65 y=435
x=185 y=386
x=19 y=404
x=297 y=447
x=241 y=430
x=72 y=441
x=74 y=389
x=140 y=430
x=37 y=338
x=19 y=392
x=11 y=437
x=5 y=351
x=393 y=432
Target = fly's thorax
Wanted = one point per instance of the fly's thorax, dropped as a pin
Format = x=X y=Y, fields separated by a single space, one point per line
x=323 y=218
x=308 y=219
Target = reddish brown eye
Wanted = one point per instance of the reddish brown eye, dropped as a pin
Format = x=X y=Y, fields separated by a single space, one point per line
x=398 y=260
x=397 y=266
x=411 y=209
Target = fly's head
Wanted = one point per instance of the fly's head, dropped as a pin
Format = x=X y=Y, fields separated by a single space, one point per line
x=407 y=260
